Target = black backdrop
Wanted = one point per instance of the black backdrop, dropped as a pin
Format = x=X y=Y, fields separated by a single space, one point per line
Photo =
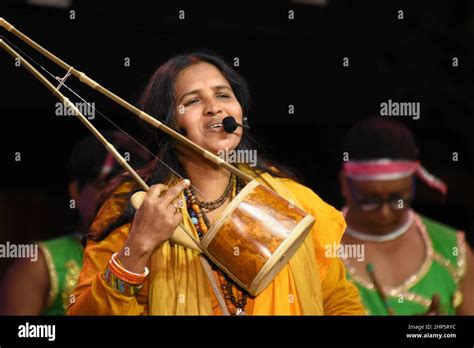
x=297 y=62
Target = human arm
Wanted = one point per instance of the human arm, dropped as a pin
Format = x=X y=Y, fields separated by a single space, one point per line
x=340 y=296
x=467 y=285
x=134 y=244
x=25 y=287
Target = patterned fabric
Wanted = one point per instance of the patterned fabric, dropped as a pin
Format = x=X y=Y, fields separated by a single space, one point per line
x=63 y=257
x=440 y=273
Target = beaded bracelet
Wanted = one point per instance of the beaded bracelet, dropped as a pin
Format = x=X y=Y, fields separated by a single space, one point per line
x=121 y=286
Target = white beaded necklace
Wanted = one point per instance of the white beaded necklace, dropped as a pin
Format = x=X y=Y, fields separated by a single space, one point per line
x=382 y=238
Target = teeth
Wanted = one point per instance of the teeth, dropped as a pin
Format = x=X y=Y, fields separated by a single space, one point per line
x=216 y=125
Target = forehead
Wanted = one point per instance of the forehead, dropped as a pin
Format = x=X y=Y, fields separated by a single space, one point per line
x=381 y=187
x=197 y=76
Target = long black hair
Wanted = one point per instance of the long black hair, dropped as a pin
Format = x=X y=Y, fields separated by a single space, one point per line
x=158 y=101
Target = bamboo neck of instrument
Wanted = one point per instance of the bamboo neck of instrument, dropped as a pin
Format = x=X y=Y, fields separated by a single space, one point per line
x=81 y=117
x=142 y=115
x=5 y=24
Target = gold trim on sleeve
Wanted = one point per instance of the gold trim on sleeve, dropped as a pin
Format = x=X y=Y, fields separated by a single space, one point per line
x=70 y=281
x=53 y=275
x=461 y=269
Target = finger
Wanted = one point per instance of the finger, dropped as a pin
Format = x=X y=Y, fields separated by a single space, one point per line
x=156 y=190
x=434 y=306
x=435 y=301
x=178 y=204
x=173 y=215
x=173 y=192
x=178 y=218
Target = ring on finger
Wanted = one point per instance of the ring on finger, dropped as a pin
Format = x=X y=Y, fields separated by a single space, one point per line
x=178 y=205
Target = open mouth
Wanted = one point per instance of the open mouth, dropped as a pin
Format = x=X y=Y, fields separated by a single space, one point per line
x=215 y=125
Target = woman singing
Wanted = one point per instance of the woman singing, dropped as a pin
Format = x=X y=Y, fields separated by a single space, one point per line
x=131 y=267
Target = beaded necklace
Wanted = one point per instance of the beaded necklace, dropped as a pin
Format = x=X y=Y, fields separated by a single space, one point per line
x=236 y=306
x=209 y=206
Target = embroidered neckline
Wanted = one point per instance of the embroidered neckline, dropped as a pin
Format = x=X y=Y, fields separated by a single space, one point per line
x=409 y=282
x=404 y=288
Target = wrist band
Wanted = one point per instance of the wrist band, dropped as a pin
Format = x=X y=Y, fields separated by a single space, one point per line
x=121 y=286
x=121 y=279
x=124 y=274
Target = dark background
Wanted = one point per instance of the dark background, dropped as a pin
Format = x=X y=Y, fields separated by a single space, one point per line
x=296 y=62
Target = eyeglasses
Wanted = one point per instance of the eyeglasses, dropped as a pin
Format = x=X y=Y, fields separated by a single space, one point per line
x=396 y=201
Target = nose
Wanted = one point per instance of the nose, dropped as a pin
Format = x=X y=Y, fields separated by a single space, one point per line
x=385 y=212
x=212 y=107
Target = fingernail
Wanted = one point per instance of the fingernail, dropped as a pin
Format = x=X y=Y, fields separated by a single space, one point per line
x=187 y=182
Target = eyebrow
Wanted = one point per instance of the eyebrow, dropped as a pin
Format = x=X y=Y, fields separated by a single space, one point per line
x=369 y=192
x=400 y=191
x=195 y=91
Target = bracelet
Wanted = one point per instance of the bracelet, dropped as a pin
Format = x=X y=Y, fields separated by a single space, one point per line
x=121 y=286
x=121 y=272
x=119 y=278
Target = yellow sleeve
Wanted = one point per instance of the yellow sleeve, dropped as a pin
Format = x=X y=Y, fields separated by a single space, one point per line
x=92 y=295
x=340 y=297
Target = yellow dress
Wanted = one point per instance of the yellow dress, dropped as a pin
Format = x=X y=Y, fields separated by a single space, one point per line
x=310 y=284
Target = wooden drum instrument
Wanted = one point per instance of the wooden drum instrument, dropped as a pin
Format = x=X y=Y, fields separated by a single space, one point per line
x=255 y=236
